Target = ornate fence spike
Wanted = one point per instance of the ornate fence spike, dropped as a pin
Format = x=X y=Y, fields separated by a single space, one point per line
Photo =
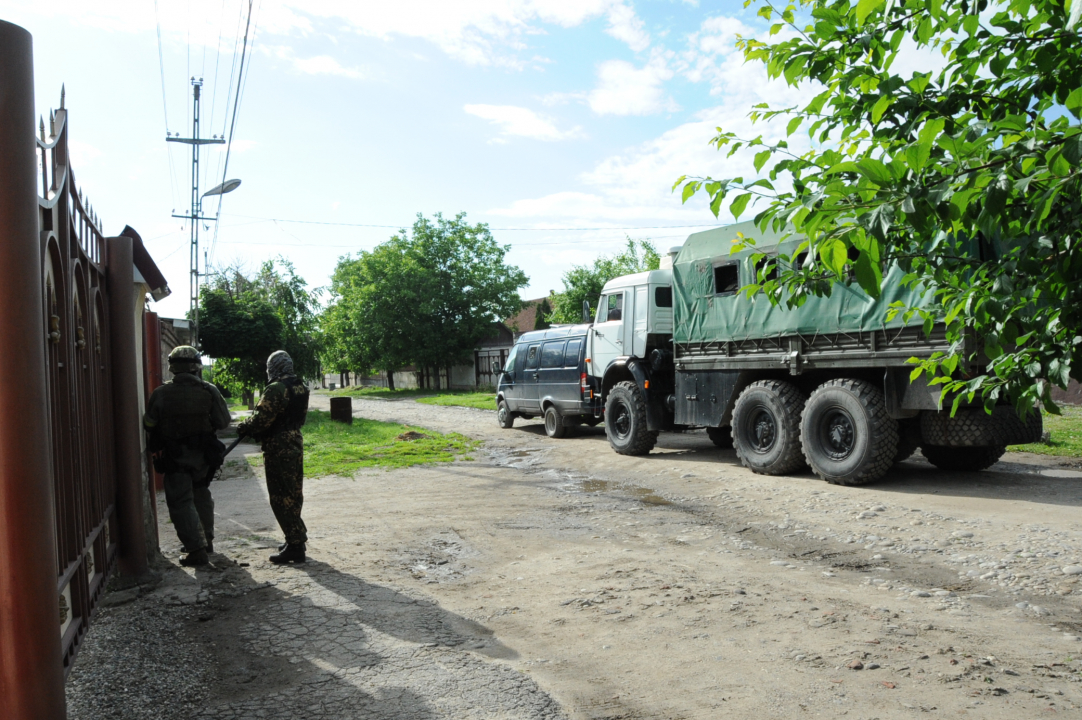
x=41 y=127
x=61 y=96
x=52 y=123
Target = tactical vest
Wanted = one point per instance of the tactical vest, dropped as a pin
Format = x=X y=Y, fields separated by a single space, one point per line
x=186 y=409
x=296 y=411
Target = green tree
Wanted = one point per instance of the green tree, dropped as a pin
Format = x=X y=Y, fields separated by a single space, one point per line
x=583 y=283
x=468 y=287
x=969 y=176
x=243 y=319
x=424 y=298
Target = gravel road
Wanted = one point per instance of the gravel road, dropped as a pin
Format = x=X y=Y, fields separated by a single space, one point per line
x=554 y=578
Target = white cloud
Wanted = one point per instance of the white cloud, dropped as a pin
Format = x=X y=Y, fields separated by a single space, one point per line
x=521 y=122
x=623 y=89
x=626 y=26
x=318 y=65
x=82 y=153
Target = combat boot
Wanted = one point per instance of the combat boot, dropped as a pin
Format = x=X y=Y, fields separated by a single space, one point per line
x=291 y=554
x=193 y=559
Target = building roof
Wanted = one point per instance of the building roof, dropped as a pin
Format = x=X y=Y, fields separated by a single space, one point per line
x=146 y=266
x=526 y=319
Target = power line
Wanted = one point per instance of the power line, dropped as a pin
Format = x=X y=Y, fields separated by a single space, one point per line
x=233 y=123
x=355 y=245
x=165 y=108
x=494 y=229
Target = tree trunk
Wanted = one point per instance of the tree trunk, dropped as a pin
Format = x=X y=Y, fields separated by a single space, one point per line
x=390 y=379
x=248 y=398
x=448 y=377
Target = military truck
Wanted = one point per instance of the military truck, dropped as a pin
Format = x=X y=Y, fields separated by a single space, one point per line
x=826 y=385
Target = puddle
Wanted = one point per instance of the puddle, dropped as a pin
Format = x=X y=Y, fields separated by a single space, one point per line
x=1058 y=473
x=643 y=495
x=519 y=453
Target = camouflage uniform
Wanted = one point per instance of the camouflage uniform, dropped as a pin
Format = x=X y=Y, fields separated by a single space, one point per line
x=276 y=424
x=180 y=414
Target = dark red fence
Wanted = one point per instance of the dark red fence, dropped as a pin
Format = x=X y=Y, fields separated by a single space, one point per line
x=78 y=378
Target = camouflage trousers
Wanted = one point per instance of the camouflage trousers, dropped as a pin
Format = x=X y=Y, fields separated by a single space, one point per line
x=283 y=460
x=190 y=508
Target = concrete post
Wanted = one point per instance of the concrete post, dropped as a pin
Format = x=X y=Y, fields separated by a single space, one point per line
x=127 y=415
x=31 y=666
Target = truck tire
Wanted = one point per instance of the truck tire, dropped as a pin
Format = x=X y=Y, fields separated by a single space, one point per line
x=625 y=420
x=973 y=427
x=766 y=427
x=721 y=436
x=554 y=423
x=962 y=458
x=908 y=439
x=848 y=437
x=504 y=416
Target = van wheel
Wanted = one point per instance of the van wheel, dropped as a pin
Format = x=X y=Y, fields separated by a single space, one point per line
x=962 y=458
x=849 y=439
x=766 y=427
x=554 y=423
x=625 y=420
x=721 y=436
x=504 y=416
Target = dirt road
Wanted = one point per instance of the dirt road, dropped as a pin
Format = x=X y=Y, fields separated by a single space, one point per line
x=556 y=578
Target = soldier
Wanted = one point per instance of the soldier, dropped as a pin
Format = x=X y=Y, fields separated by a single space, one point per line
x=277 y=425
x=180 y=421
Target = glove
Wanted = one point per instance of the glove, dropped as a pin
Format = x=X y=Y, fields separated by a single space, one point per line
x=243 y=429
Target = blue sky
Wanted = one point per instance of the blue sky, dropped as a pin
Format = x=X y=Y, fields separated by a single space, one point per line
x=548 y=116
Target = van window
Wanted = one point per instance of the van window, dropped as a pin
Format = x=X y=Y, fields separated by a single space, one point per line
x=571 y=355
x=726 y=279
x=663 y=297
x=531 y=357
x=509 y=366
x=552 y=356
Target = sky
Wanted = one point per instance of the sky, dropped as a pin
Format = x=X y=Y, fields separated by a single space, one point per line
x=562 y=124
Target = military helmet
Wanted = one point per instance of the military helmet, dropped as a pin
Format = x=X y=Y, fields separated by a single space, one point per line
x=184 y=354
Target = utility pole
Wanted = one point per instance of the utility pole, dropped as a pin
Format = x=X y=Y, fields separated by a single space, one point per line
x=196 y=212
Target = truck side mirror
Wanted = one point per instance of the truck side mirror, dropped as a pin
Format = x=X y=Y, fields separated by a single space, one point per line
x=586 y=315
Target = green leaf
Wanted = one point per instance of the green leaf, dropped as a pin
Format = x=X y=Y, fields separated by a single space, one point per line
x=793 y=125
x=866 y=8
x=880 y=107
x=690 y=189
x=874 y=170
x=1074 y=100
x=761 y=158
x=834 y=255
x=738 y=205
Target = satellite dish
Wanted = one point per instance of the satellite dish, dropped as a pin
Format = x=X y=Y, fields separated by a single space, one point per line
x=227 y=187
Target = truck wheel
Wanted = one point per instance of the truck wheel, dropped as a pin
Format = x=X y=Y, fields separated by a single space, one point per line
x=962 y=458
x=849 y=439
x=721 y=436
x=504 y=416
x=766 y=427
x=625 y=420
x=554 y=423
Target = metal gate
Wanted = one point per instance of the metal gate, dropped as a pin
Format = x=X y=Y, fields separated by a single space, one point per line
x=78 y=379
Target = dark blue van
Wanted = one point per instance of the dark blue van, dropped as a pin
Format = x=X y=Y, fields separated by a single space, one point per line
x=546 y=375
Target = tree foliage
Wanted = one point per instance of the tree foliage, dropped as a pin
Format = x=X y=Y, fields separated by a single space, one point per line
x=244 y=318
x=968 y=176
x=583 y=283
x=426 y=297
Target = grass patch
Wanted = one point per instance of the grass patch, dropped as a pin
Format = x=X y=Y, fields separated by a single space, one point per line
x=482 y=400
x=332 y=448
x=1066 y=434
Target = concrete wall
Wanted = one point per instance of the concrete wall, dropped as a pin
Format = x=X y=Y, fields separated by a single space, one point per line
x=1071 y=396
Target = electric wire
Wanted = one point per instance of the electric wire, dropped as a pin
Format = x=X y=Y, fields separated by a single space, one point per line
x=165 y=107
x=242 y=75
x=494 y=229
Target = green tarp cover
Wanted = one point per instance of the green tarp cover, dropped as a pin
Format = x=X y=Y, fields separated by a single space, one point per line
x=701 y=316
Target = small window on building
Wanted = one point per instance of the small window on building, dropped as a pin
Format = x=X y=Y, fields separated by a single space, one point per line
x=770 y=264
x=615 y=307
x=552 y=356
x=531 y=357
x=663 y=297
x=798 y=262
x=726 y=279
x=571 y=355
